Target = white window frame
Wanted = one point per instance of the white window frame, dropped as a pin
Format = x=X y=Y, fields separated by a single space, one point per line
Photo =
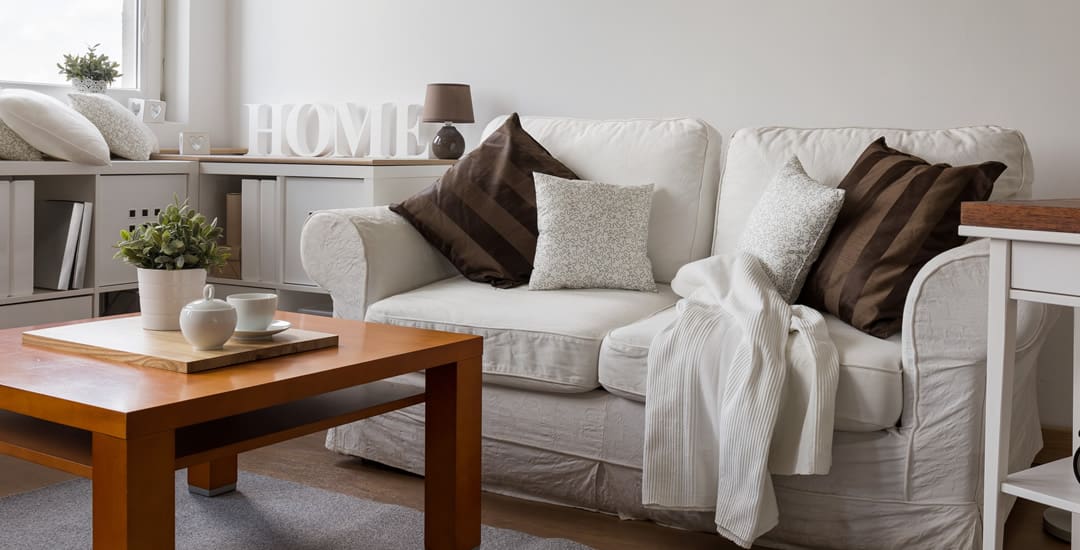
x=148 y=55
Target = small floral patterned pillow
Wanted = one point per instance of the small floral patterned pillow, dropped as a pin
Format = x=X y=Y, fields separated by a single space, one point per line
x=790 y=225
x=592 y=235
x=127 y=136
x=13 y=147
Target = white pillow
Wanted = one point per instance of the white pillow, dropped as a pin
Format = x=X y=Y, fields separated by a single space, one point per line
x=591 y=235
x=789 y=226
x=125 y=134
x=13 y=147
x=52 y=127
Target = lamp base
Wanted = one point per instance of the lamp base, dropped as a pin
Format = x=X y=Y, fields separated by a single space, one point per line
x=448 y=143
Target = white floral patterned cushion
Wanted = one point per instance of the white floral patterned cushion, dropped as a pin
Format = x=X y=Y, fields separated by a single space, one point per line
x=591 y=235
x=789 y=226
x=13 y=147
x=127 y=136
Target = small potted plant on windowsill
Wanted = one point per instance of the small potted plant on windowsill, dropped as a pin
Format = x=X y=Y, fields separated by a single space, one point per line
x=172 y=255
x=91 y=73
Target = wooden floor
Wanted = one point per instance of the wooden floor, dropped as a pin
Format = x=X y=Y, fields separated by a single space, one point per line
x=306 y=461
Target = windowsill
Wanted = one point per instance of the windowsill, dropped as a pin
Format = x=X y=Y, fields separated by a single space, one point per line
x=60 y=90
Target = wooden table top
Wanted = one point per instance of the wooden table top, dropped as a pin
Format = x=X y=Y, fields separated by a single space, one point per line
x=125 y=400
x=1060 y=215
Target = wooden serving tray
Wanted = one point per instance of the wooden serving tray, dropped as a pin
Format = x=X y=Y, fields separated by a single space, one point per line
x=124 y=340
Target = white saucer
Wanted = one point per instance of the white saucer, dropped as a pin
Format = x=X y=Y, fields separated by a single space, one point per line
x=252 y=335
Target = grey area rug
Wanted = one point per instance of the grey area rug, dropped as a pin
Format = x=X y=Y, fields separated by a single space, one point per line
x=263 y=513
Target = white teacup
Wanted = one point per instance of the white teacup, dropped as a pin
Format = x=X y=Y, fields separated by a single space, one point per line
x=254 y=310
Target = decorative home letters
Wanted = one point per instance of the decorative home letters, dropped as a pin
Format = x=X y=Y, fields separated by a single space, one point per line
x=340 y=130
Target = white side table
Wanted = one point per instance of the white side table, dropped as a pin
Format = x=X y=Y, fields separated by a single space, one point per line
x=1034 y=256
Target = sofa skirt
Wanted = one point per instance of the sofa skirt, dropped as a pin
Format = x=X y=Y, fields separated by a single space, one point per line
x=585 y=451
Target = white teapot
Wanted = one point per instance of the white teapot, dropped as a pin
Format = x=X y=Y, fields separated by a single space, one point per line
x=208 y=323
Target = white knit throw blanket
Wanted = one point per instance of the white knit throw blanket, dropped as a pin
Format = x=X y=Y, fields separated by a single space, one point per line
x=740 y=385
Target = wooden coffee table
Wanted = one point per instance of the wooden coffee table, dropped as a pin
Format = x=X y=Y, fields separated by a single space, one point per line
x=129 y=428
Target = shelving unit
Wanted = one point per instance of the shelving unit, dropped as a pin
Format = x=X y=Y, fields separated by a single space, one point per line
x=116 y=190
x=297 y=187
x=125 y=190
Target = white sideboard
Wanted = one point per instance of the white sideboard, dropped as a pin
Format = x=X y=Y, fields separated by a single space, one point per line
x=124 y=193
x=128 y=193
x=278 y=195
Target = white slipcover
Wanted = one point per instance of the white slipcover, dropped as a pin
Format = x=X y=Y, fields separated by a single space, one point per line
x=755 y=154
x=543 y=340
x=681 y=157
x=579 y=449
x=869 y=394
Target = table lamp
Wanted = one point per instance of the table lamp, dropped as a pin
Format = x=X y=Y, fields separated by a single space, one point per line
x=448 y=103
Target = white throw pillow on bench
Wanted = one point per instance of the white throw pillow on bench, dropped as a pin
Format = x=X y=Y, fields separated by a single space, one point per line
x=127 y=136
x=52 y=127
x=13 y=147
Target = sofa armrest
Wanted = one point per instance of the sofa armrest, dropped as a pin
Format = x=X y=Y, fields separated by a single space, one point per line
x=362 y=255
x=945 y=313
x=944 y=371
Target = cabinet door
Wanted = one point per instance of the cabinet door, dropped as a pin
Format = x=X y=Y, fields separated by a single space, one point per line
x=124 y=202
x=46 y=311
x=306 y=195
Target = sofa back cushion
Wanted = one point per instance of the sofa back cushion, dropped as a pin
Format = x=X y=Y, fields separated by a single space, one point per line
x=755 y=154
x=680 y=157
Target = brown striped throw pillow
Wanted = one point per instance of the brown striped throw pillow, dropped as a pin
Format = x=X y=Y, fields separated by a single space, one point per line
x=899 y=212
x=482 y=213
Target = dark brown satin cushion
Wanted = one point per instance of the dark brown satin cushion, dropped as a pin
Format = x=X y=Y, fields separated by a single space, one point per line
x=899 y=212
x=482 y=213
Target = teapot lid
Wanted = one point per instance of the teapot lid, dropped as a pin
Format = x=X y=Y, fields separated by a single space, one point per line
x=208 y=302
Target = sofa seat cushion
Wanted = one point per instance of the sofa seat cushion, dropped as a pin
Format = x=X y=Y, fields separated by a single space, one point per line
x=868 y=395
x=539 y=340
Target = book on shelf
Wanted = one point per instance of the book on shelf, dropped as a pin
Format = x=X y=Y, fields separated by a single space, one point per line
x=57 y=225
x=78 y=278
x=16 y=238
x=261 y=231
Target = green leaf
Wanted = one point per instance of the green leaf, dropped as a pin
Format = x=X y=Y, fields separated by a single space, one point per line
x=180 y=239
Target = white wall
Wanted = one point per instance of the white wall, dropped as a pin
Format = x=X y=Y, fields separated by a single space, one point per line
x=919 y=63
x=195 y=81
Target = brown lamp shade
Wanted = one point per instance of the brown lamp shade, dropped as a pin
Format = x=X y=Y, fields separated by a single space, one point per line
x=448 y=103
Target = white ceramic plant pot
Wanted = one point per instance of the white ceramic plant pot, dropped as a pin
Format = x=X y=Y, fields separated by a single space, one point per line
x=163 y=293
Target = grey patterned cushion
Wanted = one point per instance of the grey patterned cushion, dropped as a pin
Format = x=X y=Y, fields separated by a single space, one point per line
x=126 y=135
x=592 y=235
x=13 y=147
x=790 y=225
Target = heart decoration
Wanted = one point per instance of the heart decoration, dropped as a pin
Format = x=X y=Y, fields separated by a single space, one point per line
x=155 y=111
x=198 y=143
x=137 y=109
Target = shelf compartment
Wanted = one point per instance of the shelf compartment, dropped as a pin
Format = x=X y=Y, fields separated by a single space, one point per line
x=46 y=443
x=70 y=449
x=1052 y=484
x=244 y=432
x=42 y=294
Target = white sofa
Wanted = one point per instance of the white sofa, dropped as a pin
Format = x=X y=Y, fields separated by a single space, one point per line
x=565 y=370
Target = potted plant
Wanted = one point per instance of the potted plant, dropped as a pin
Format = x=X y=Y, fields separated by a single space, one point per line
x=172 y=255
x=90 y=73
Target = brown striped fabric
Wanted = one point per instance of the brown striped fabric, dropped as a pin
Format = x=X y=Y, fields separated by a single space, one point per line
x=899 y=212
x=482 y=213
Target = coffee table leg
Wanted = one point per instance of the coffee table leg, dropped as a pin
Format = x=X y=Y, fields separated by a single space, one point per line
x=213 y=478
x=452 y=451
x=133 y=492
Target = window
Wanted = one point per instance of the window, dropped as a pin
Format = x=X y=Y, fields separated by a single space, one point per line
x=38 y=33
